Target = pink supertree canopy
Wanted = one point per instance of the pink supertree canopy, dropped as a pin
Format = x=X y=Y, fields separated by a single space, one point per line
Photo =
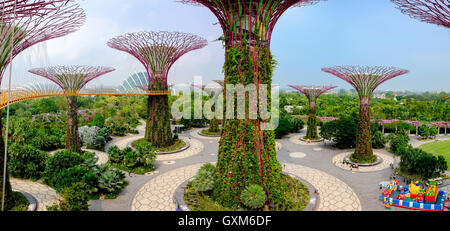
x=35 y=21
x=365 y=79
x=250 y=20
x=157 y=51
x=430 y=11
x=312 y=92
x=71 y=78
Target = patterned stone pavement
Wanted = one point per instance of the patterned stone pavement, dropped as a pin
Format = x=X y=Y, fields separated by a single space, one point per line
x=295 y=138
x=334 y=194
x=157 y=194
x=194 y=148
x=387 y=161
x=44 y=195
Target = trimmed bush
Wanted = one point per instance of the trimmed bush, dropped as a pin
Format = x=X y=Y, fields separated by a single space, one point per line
x=401 y=139
x=253 y=196
x=26 y=161
x=378 y=140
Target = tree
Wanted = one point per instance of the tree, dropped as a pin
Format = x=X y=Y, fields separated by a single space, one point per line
x=157 y=51
x=72 y=79
x=247 y=152
x=365 y=80
x=312 y=93
x=24 y=24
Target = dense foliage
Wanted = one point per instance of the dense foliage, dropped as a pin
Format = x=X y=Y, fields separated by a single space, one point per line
x=26 y=161
x=75 y=198
x=426 y=132
x=253 y=196
x=65 y=168
x=139 y=160
x=418 y=162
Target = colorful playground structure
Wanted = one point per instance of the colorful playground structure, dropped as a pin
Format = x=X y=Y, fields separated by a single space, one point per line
x=413 y=196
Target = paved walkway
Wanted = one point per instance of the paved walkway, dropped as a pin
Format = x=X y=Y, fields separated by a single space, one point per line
x=334 y=194
x=387 y=161
x=157 y=194
x=44 y=195
x=415 y=142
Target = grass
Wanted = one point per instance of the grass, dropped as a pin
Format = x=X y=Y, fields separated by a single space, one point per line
x=177 y=145
x=297 y=194
x=369 y=160
x=438 y=148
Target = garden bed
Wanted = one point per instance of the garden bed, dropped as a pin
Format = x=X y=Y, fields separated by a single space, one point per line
x=312 y=141
x=179 y=146
x=368 y=163
x=207 y=133
x=303 y=198
x=21 y=202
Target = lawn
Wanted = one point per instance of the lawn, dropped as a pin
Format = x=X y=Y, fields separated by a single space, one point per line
x=439 y=148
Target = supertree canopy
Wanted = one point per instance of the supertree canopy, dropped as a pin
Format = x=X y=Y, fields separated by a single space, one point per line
x=247 y=153
x=312 y=93
x=430 y=11
x=72 y=79
x=157 y=51
x=365 y=80
x=24 y=23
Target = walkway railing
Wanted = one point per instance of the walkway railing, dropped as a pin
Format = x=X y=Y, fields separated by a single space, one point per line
x=22 y=95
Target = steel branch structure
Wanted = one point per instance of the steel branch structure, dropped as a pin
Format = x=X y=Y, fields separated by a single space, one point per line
x=247 y=153
x=36 y=21
x=312 y=93
x=72 y=79
x=365 y=80
x=429 y=11
x=157 y=51
x=249 y=20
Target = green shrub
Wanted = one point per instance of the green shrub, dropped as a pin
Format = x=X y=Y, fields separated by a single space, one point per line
x=209 y=168
x=426 y=132
x=284 y=127
x=417 y=161
x=378 y=140
x=297 y=124
x=401 y=139
x=26 y=161
x=115 y=154
x=342 y=132
x=253 y=196
x=46 y=142
x=75 y=198
x=140 y=160
x=204 y=180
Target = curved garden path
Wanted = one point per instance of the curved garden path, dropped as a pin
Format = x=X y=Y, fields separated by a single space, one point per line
x=45 y=195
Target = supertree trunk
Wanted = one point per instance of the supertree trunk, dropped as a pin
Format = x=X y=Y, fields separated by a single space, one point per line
x=213 y=125
x=8 y=190
x=363 y=150
x=158 y=131
x=72 y=138
x=247 y=153
x=311 y=132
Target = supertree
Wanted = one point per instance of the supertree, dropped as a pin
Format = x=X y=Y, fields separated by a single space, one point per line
x=213 y=91
x=24 y=23
x=429 y=11
x=71 y=79
x=365 y=80
x=157 y=51
x=312 y=93
x=247 y=153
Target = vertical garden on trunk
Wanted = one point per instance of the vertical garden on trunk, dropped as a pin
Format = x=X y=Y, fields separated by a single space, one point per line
x=365 y=80
x=247 y=152
x=157 y=51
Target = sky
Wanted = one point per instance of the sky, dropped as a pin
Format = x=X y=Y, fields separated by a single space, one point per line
x=305 y=39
